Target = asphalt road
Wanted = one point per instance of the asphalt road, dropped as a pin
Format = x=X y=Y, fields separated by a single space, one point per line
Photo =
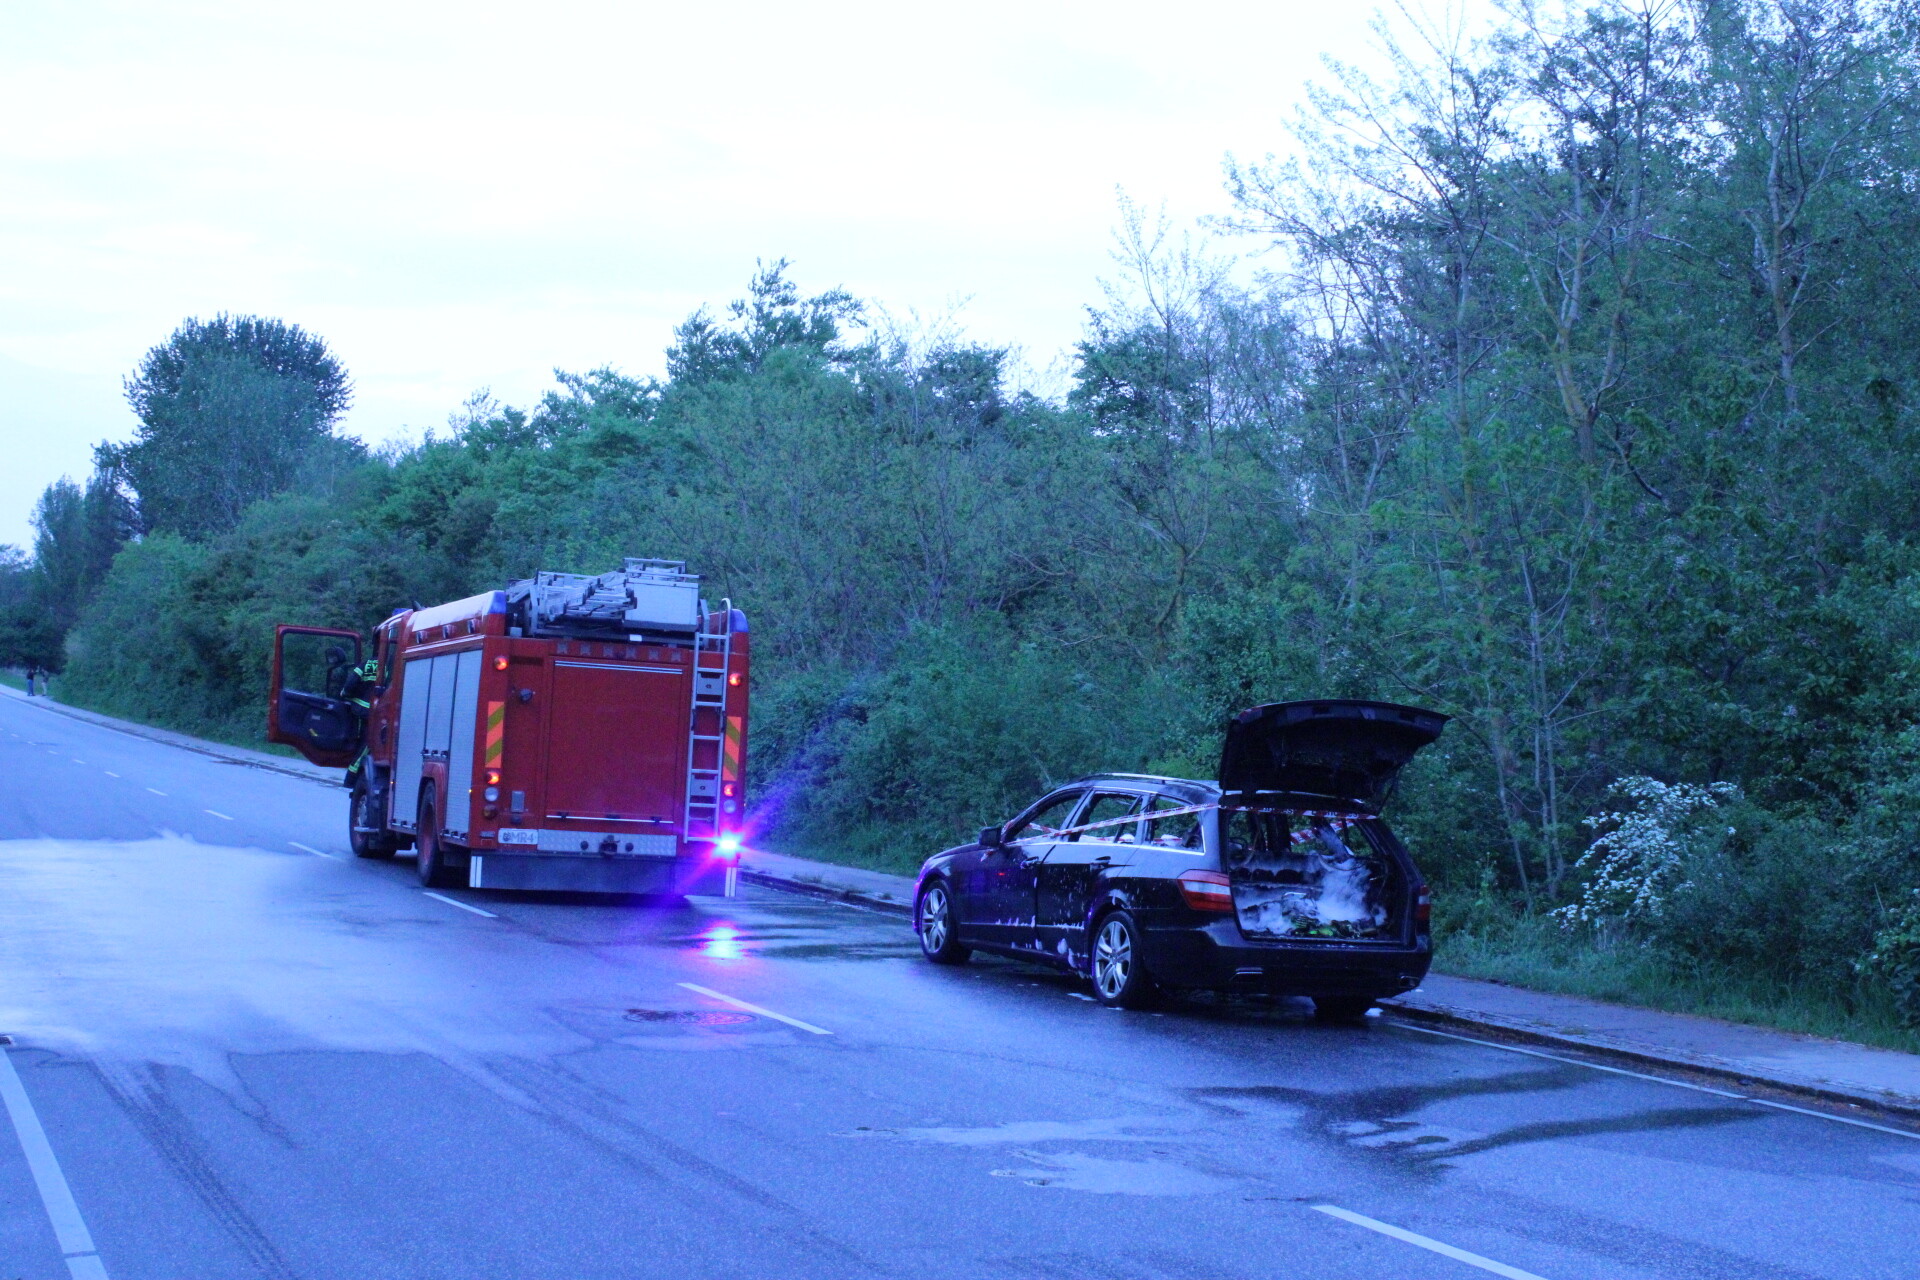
x=253 y=1056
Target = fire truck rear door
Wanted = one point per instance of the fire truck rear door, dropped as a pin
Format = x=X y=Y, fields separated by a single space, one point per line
x=617 y=742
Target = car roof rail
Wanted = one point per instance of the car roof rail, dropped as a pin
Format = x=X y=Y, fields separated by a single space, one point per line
x=1144 y=777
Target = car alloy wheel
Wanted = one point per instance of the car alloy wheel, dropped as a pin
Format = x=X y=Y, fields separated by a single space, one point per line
x=1120 y=977
x=935 y=917
x=1113 y=958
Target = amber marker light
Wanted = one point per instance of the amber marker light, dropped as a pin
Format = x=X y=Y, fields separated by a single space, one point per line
x=500 y=664
x=734 y=679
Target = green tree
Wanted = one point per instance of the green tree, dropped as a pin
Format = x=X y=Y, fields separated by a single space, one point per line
x=231 y=410
x=77 y=533
x=27 y=636
x=772 y=317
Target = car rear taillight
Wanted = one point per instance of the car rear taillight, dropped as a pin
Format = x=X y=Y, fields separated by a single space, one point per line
x=1207 y=890
x=1423 y=906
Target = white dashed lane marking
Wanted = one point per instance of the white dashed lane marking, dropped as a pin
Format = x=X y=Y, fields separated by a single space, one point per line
x=455 y=902
x=754 y=1008
x=56 y=1197
x=1424 y=1242
x=216 y=813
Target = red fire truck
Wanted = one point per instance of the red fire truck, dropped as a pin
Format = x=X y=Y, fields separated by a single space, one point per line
x=570 y=732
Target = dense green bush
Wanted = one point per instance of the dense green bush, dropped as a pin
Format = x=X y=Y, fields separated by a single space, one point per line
x=967 y=726
x=1895 y=958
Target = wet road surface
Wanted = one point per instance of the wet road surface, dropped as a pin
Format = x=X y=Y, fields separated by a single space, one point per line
x=251 y=1055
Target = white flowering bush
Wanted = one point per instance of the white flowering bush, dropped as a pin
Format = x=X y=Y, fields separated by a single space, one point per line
x=1636 y=862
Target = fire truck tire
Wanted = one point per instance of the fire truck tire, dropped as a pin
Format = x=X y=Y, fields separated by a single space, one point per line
x=362 y=835
x=429 y=851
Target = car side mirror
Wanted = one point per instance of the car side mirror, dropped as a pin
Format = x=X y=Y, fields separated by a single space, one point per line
x=993 y=837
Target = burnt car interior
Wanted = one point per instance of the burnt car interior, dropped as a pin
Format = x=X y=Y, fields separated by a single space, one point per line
x=1107 y=807
x=1178 y=830
x=1300 y=874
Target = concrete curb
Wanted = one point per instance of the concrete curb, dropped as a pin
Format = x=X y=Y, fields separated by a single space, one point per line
x=185 y=742
x=851 y=897
x=1717 y=1068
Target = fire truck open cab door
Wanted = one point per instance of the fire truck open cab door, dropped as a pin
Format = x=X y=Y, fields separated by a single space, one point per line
x=305 y=709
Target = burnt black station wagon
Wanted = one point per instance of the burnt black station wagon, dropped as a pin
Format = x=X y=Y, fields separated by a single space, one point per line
x=1280 y=877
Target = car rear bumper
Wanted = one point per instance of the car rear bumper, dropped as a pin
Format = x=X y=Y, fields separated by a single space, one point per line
x=1217 y=956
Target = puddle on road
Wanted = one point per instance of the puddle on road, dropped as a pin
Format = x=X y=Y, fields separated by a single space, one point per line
x=748 y=931
x=187 y=955
x=671 y=1029
x=1385 y=1123
x=1101 y=1129
x=1167 y=1175
x=1070 y=1171
x=691 y=1017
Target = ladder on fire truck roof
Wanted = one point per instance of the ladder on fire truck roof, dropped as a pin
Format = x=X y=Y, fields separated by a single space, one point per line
x=712 y=658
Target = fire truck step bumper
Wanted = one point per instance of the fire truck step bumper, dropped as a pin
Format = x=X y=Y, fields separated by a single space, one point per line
x=572 y=874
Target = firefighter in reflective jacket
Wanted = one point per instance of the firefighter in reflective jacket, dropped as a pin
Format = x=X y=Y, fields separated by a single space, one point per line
x=358 y=694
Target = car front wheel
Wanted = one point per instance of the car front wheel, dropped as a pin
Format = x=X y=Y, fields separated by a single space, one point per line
x=934 y=916
x=1120 y=979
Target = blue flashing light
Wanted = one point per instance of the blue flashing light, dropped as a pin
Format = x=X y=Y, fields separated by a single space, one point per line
x=728 y=846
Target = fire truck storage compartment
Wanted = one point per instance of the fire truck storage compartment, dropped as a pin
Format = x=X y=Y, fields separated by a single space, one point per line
x=457 y=807
x=623 y=759
x=436 y=693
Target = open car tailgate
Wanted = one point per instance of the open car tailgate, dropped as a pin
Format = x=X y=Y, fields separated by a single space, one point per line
x=1341 y=748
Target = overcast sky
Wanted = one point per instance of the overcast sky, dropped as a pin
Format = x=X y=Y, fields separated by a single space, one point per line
x=466 y=196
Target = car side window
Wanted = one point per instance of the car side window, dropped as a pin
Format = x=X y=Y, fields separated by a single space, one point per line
x=1045 y=824
x=1105 y=808
x=1180 y=831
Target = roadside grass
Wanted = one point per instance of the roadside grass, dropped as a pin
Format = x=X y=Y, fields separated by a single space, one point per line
x=1536 y=953
x=13 y=679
